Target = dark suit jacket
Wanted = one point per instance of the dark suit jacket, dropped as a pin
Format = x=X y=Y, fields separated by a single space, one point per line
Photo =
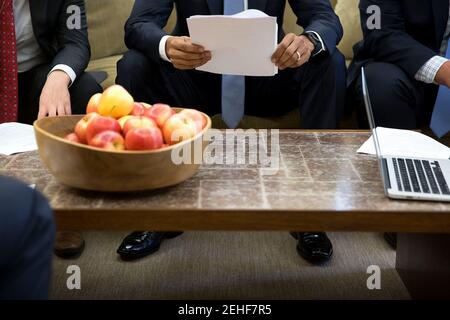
x=411 y=33
x=27 y=234
x=61 y=45
x=144 y=29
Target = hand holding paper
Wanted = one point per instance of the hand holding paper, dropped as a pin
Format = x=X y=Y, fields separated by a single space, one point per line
x=293 y=52
x=242 y=44
x=185 y=55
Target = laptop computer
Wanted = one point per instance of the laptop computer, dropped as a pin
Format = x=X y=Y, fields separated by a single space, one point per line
x=409 y=178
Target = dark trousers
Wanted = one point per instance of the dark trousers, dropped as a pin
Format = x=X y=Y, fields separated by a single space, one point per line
x=398 y=101
x=30 y=88
x=27 y=234
x=317 y=88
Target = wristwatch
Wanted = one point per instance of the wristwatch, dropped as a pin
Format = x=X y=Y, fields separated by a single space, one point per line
x=314 y=38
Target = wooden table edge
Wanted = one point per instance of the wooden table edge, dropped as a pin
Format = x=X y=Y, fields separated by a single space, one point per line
x=253 y=220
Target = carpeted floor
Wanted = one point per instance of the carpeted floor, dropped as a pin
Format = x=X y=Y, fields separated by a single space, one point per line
x=231 y=265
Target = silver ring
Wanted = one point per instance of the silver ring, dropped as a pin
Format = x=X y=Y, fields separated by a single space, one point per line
x=298 y=56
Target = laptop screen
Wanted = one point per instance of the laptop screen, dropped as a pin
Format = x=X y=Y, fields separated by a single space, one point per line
x=369 y=111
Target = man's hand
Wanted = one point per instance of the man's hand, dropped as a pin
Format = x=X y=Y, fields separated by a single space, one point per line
x=293 y=52
x=184 y=54
x=443 y=75
x=55 y=96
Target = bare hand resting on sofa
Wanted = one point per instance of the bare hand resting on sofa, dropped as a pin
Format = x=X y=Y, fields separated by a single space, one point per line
x=55 y=96
x=184 y=54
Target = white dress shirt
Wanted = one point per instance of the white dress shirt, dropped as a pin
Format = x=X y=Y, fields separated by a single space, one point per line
x=430 y=69
x=163 y=41
x=29 y=53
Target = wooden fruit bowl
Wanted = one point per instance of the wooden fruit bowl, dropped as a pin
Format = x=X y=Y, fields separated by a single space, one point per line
x=85 y=167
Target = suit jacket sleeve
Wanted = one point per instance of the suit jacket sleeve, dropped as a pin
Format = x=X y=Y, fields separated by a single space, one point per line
x=392 y=43
x=72 y=44
x=319 y=16
x=144 y=28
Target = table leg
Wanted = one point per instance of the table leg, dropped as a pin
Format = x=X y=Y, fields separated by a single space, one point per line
x=423 y=263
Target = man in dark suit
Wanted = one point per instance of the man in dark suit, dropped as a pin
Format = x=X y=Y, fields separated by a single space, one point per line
x=44 y=50
x=44 y=55
x=27 y=234
x=406 y=65
x=405 y=60
x=161 y=68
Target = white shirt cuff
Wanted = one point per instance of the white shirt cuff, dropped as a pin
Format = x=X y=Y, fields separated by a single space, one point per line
x=162 y=48
x=321 y=42
x=430 y=69
x=68 y=70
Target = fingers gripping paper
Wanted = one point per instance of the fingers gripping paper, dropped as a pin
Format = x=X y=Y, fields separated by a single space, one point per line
x=242 y=44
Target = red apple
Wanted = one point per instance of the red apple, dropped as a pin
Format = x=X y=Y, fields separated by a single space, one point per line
x=160 y=113
x=197 y=116
x=92 y=105
x=123 y=120
x=138 y=122
x=108 y=140
x=139 y=109
x=100 y=124
x=115 y=102
x=81 y=126
x=179 y=128
x=144 y=139
x=72 y=137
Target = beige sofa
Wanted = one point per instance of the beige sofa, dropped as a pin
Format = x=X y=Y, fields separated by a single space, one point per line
x=106 y=20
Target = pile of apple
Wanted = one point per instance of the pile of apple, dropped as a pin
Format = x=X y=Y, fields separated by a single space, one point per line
x=115 y=122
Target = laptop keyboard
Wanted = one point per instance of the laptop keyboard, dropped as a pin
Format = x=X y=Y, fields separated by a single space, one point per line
x=420 y=176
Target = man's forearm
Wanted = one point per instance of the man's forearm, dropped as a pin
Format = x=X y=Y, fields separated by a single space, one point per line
x=443 y=74
x=67 y=70
x=162 y=48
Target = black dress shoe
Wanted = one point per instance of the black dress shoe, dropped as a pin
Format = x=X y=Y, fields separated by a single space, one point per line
x=68 y=244
x=314 y=247
x=391 y=239
x=140 y=244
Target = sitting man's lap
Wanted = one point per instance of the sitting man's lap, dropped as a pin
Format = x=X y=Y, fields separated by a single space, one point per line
x=316 y=88
x=398 y=100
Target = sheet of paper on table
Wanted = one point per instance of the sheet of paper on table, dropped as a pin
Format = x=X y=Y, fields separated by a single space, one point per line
x=16 y=138
x=242 y=44
x=406 y=143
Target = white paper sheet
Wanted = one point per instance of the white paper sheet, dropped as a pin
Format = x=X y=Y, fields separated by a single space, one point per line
x=16 y=138
x=242 y=44
x=406 y=143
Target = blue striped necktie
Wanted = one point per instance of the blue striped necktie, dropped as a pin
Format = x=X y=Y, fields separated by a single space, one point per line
x=440 y=121
x=233 y=87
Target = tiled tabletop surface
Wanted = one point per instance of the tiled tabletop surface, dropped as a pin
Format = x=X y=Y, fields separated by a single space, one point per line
x=318 y=171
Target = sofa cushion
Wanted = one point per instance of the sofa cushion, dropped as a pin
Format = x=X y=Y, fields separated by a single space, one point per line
x=106 y=20
x=348 y=12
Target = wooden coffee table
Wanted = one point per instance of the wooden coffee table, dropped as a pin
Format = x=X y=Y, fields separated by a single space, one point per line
x=322 y=184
